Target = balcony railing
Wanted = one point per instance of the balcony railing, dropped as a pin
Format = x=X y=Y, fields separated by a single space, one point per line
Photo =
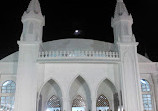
x=78 y=55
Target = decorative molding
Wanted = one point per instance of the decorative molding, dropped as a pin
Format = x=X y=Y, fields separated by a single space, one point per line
x=77 y=54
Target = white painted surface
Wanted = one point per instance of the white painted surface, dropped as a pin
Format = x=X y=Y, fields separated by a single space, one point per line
x=70 y=77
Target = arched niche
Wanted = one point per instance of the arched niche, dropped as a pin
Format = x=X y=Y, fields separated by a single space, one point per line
x=50 y=92
x=79 y=88
x=108 y=90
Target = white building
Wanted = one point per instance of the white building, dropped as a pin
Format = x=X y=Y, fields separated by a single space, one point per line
x=78 y=74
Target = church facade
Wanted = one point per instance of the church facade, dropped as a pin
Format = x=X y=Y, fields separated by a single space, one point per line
x=78 y=74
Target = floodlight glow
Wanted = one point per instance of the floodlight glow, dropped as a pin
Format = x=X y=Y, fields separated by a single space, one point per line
x=47 y=110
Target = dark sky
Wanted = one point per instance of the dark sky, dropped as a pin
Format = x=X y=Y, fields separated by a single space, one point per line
x=93 y=17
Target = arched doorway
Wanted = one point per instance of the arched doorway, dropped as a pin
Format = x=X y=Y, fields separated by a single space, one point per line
x=80 y=94
x=102 y=103
x=107 y=97
x=50 y=97
x=78 y=104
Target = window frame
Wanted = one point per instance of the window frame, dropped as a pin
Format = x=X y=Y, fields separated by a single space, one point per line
x=147 y=92
x=8 y=96
x=8 y=90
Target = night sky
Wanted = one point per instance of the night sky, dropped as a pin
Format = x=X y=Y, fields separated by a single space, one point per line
x=92 y=17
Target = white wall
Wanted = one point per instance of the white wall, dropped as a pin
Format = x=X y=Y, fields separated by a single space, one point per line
x=65 y=74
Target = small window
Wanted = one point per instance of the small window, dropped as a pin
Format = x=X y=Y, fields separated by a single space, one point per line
x=145 y=86
x=7 y=103
x=147 y=103
x=8 y=87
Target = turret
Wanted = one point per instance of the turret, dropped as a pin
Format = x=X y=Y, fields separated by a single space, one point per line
x=122 y=24
x=33 y=22
x=129 y=68
x=29 y=46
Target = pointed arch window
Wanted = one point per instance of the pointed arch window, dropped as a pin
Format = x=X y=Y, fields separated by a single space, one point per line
x=78 y=102
x=53 y=104
x=102 y=103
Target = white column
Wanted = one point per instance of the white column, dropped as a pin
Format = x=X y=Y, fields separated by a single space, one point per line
x=66 y=104
x=130 y=77
x=26 y=82
x=94 y=108
x=155 y=81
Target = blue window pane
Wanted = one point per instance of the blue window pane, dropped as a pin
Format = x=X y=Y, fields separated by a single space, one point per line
x=4 y=91
x=145 y=86
x=147 y=101
x=7 y=103
x=8 y=87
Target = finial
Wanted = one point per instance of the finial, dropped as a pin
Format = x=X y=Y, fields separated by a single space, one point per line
x=120 y=8
x=34 y=11
x=34 y=6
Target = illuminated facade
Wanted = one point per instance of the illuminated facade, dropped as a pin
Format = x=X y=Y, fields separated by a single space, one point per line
x=78 y=74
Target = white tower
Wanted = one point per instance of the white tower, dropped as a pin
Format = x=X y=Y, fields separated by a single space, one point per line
x=31 y=38
x=33 y=22
x=127 y=47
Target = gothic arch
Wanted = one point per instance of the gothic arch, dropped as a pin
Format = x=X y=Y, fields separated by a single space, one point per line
x=110 y=81
x=49 y=89
x=40 y=89
x=74 y=78
x=80 y=87
x=109 y=90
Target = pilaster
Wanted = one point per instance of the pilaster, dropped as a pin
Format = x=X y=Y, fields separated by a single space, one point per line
x=155 y=81
x=26 y=84
x=130 y=77
x=66 y=104
x=94 y=108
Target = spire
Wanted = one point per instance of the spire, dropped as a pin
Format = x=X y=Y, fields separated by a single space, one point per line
x=122 y=23
x=33 y=21
x=33 y=11
x=120 y=8
x=34 y=6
